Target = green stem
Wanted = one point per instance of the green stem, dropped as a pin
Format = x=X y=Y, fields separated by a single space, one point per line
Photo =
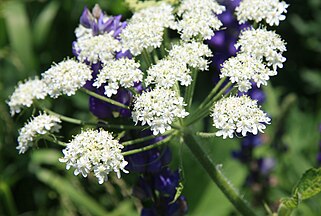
x=53 y=140
x=100 y=123
x=103 y=98
x=213 y=170
x=284 y=211
x=213 y=92
x=146 y=138
x=206 y=109
x=146 y=148
x=148 y=60
x=190 y=90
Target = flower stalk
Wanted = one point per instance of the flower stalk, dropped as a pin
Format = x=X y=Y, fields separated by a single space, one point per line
x=216 y=174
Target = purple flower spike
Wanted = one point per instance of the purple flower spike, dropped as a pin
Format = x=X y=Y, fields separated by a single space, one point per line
x=86 y=18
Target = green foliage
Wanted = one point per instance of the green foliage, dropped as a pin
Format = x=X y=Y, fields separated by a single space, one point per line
x=308 y=186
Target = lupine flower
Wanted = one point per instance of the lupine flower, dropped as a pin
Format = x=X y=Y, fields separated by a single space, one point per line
x=198 y=18
x=25 y=93
x=38 y=126
x=66 y=77
x=193 y=54
x=158 y=108
x=123 y=72
x=94 y=151
x=264 y=45
x=238 y=115
x=145 y=29
x=270 y=11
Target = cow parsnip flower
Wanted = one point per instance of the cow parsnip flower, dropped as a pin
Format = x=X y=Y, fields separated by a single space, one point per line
x=167 y=72
x=146 y=28
x=198 y=18
x=158 y=108
x=100 y=48
x=66 y=77
x=123 y=72
x=39 y=125
x=244 y=69
x=271 y=11
x=238 y=115
x=193 y=54
x=94 y=151
x=25 y=93
x=264 y=45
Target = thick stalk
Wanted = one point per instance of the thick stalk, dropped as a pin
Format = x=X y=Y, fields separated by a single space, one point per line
x=213 y=92
x=213 y=170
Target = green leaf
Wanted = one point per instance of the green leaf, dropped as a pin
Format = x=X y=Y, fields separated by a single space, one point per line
x=19 y=33
x=308 y=186
x=179 y=191
x=44 y=22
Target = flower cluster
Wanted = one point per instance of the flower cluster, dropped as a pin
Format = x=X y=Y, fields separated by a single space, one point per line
x=192 y=54
x=39 y=125
x=97 y=48
x=94 y=151
x=66 y=77
x=259 y=49
x=263 y=45
x=238 y=114
x=145 y=29
x=122 y=72
x=198 y=18
x=270 y=11
x=25 y=93
x=158 y=108
x=167 y=72
x=242 y=69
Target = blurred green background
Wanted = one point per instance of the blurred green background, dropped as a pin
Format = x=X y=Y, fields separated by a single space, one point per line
x=33 y=34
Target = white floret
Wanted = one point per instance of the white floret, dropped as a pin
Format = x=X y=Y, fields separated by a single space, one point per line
x=123 y=72
x=94 y=151
x=66 y=77
x=39 y=125
x=198 y=18
x=158 y=108
x=146 y=28
x=271 y=11
x=100 y=48
x=238 y=115
x=25 y=94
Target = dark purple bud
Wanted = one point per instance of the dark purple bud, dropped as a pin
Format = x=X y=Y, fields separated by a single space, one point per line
x=227 y=18
x=167 y=182
x=86 y=18
x=218 y=40
x=103 y=25
x=149 y=212
x=100 y=108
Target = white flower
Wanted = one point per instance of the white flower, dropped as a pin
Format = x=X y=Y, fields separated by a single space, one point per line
x=264 y=45
x=40 y=125
x=82 y=32
x=123 y=72
x=238 y=114
x=145 y=29
x=66 y=77
x=94 y=151
x=158 y=108
x=25 y=93
x=243 y=69
x=167 y=72
x=192 y=54
x=198 y=18
x=270 y=11
x=97 y=48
